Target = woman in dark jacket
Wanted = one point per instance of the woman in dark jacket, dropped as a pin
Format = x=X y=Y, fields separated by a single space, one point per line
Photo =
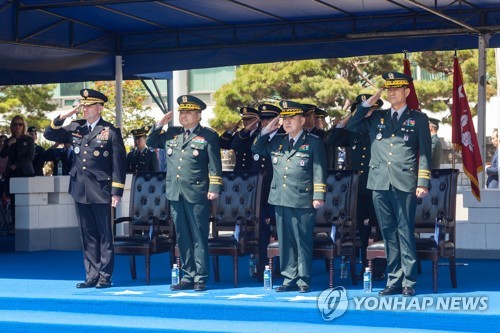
x=20 y=149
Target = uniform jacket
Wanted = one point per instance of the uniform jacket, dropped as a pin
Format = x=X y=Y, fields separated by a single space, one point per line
x=59 y=154
x=39 y=160
x=21 y=154
x=242 y=147
x=492 y=171
x=299 y=175
x=194 y=166
x=436 y=152
x=401 y=156
x=359 y=143
x=142 y=161
x=100 y=161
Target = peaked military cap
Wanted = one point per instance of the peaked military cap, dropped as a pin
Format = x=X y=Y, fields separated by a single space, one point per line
x=396 y=80
x=249 y=113
x=32 y=129
x=291 y=108
x=140 y=132
x=319 y=113
x=309 y=108
x=91 y=96
x=190 y=103
x=268 y=111
x=434 y=121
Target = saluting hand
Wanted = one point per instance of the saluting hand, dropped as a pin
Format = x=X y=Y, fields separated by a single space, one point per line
x=115 y=200
x=166 y=118
x=71 y=112
x=273 y=125
x=252 y=125
x=235 y=127
x=373 y=100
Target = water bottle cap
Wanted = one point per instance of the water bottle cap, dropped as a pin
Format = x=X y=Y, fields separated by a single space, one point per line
x=368 y=269
x=175 y=266
x=267 y=266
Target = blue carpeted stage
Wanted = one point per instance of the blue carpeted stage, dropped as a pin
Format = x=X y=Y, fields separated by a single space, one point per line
x=38 y=294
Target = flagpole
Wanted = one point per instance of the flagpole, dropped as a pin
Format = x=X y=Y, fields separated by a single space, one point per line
x=481 y=98
x=454 y=148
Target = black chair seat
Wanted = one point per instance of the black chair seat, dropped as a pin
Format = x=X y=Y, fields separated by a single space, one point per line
x=323 y=243
x=228 y=241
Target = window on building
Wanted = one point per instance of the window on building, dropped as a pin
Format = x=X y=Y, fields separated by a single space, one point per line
x=210 y=79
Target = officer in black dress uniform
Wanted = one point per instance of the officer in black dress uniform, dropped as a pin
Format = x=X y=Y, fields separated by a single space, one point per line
x=141 y=158
x=40 y=156
x=97 y=180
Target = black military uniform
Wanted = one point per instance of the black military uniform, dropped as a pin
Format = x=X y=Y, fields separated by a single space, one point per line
x=437 y=148
x=400 y=161
x=194 y=169
x=299 y=175
x=359 y=144
x=142 y=160
x=98 y=172
x=242 y=143
x=65 y=155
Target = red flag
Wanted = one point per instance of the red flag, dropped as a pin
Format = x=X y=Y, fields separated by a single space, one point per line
x=412 y=99
x=463 y=134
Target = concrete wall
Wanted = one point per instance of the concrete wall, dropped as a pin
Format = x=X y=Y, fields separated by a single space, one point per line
x=46 y=216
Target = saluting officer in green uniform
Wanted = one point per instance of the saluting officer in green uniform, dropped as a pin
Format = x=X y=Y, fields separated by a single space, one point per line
x=297 y=189
x=194 y=178
x=399 y=173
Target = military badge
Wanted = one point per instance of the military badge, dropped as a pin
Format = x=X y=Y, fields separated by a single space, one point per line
x=77 y=150
x=106 y=153
x=275 y=160
x=169 y=151
x=406 y=137
x=256 y=157
x=302 y=163
x=379 y=136
x=97 y=153
x=196 y=152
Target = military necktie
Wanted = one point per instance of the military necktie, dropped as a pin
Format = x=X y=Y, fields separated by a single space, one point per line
x=290 y=145
x=394 y=119
x=186 y=135
x=90 y=129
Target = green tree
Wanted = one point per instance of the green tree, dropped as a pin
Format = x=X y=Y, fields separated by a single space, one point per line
x=135 y=115
x=32 y=101
x=333 y=84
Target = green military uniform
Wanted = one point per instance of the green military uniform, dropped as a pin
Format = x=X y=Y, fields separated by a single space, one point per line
x=194 y=168
x=299 y=177
x=400 y=161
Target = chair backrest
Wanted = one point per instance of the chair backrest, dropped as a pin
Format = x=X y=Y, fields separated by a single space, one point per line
x=239 y=202
x=439 y=204
x=148 y=200
x=340 y=204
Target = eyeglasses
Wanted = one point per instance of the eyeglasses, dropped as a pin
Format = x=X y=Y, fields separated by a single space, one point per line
x=17 y=124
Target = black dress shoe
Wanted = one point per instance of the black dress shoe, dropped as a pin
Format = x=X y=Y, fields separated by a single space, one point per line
x=200 y=286
x=87 y=284
x=103 y=283
x=408 y=292
x=390 y=291
x=182 y=286
x=304 y=289
x=285 y=288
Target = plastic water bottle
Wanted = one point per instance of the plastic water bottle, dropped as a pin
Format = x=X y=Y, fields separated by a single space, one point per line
x=237 y=232
x=343 y=268
x=367 y=280
x=268 y=280
x=59 y=168
x=251 y=265
x=175 y=275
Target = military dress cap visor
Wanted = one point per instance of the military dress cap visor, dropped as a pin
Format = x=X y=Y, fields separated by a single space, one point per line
x=364 y=97
x=269 y=111
x=291 y=108
x=309 y=108
x=249 y=113
x=396 y=80
x=190 y=103
x=319 y=113
x=434 y=121
x=140 y=132
x=91 y=96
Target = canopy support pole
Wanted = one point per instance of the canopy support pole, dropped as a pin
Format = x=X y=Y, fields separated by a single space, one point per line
x=119 y=90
